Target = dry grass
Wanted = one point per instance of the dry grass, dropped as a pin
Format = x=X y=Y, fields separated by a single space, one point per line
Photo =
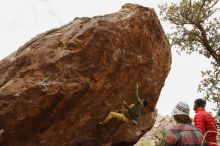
x=143 y=142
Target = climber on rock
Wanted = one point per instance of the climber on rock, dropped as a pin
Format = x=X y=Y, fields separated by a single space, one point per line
x=132 y=113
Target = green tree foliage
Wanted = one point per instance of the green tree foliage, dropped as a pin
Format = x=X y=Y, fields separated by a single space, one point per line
x=162 y=137
x=197 y=29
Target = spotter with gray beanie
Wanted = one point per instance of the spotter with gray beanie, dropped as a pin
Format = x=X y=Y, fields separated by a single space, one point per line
x=183 y=133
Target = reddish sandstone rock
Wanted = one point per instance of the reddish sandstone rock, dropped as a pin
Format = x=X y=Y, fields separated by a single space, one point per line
x=56 y=87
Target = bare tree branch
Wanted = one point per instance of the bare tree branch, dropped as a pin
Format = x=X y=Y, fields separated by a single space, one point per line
x=207 y=45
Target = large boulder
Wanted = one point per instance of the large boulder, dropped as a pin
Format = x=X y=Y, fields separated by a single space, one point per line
x=56 y=87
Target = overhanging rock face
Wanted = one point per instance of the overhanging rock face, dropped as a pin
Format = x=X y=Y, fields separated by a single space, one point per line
x=56 y=87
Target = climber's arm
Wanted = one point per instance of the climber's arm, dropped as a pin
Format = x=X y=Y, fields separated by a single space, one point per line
x=126 y=106
x=137 y=98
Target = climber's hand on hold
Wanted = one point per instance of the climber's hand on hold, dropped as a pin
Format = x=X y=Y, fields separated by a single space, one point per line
x=124 y=102
x=137 y=86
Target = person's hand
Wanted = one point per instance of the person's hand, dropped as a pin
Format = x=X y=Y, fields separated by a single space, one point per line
x=137 y=86
x=124 y=102
x=2 y=132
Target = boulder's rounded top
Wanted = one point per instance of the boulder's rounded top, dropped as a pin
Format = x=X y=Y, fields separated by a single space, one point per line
x=130 y=7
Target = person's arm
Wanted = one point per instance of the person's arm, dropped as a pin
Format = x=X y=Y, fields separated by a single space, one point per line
x=137 y=98
x=170 y=138
x=199 y=123
x=210 y=122
x=126 y=106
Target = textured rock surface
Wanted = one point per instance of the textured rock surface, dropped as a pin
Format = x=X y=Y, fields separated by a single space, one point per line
x=56 y=87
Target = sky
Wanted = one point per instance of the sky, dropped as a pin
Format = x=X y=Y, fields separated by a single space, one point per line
x=22 y=20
